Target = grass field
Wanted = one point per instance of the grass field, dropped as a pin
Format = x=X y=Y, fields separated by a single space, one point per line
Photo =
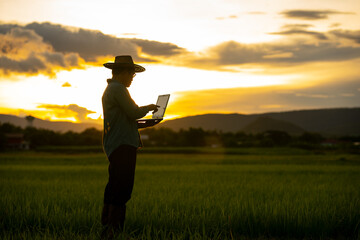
x=255 y=194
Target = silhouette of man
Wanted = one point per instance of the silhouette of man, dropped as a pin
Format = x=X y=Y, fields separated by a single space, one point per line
x=120 y=141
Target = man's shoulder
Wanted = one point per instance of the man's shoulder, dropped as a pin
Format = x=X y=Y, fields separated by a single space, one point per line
x=115 y=89
x=116 y=85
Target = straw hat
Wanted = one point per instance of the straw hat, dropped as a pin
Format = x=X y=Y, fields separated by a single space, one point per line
x=124 y=61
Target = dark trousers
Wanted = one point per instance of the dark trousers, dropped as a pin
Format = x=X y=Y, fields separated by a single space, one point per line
x=121 y=176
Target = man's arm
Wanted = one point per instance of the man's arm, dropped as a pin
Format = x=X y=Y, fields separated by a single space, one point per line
x=132 y=110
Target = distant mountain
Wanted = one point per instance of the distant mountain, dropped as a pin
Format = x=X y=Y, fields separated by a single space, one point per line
x=223 y=122
x=51 y=125
x=341 y=121
x=263 y=124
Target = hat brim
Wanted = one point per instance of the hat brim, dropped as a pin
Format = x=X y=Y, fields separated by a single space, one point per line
x=137 y=68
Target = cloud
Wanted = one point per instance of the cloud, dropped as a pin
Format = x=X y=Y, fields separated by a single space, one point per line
x=335 y=25
x=43 y=47
x=306 y=95
x=311 y=14
x=90 y=44
x=154 y=48
x=304 y=46
x=350 y=35
x=300 y=45
x=297 y=26
x=300 y=29
x=298 y=51
x=31 y=65
x=318 y=35
x=72 y=110
x=347 y=94
x=24 y=51
x=66 y=85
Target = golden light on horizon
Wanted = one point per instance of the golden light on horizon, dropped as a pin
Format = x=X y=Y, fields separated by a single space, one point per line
x=208 y=59
x=183 y=84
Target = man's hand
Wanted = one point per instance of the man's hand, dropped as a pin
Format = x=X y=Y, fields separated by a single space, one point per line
x=153 y=107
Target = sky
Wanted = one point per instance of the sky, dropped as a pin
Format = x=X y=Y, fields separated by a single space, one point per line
x=212 y=56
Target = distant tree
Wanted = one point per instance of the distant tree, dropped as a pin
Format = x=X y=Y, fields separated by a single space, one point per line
x=41 y=137
x=2 y=141
x=214 y=139
x=276 y=138
x=90 y=136
x=9 y=128
x=311 y=138
x=70 y=138
x=194 y=137
x=230 y=140
x=163 y=137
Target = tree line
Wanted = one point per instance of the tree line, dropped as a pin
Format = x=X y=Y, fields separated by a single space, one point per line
x=44 y=137
x=164 y=137
x=197 y=137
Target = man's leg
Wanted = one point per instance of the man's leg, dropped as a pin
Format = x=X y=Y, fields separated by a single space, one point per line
x=105 y=214
x=119 y=188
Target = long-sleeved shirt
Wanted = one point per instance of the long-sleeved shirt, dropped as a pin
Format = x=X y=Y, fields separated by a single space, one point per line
x=120 y=114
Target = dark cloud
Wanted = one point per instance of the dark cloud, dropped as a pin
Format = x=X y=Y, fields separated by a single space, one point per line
x=91 y=44
x=233 y=53
x=318 y=35
x=300 y=29
x=87 y=43
x=296 y=26
x=154 y=48
x=314 y=47
x=351 y=35
x=44 y=47
x=311 y=14
x=335 y=25
x=24 y=51
x=59 y=59
x=18 y=32
x=72 y=110
x=31 y=65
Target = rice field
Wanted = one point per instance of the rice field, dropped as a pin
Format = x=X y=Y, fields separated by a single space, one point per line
x=259 y=194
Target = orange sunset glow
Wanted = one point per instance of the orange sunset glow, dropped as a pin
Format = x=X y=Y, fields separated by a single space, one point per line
x=221 y=56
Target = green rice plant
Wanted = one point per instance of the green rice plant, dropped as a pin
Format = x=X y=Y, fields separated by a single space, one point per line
x=184 y=196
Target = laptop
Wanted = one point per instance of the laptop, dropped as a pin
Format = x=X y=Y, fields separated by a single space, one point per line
x=158 y=116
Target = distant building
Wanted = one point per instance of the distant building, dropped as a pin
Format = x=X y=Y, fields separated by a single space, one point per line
x=16 y=141
x=30 y=119
x=330 y=143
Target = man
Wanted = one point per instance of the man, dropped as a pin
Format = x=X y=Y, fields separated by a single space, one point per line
x=120 y=141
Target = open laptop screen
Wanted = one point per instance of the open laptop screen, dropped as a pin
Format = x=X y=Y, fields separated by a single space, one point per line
x=162 y=102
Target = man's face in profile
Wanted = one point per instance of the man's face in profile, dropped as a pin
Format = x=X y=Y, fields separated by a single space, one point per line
x=129 y=78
